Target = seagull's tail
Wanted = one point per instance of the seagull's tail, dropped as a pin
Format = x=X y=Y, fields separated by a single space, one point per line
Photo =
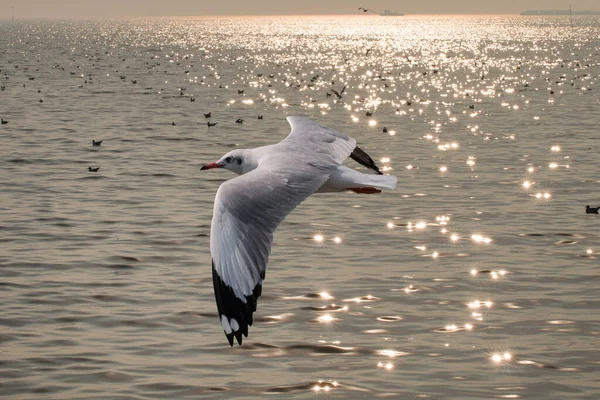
x=380 y=181
x=344 y=178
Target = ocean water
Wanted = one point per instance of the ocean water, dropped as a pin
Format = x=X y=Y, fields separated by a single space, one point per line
x=477 y=278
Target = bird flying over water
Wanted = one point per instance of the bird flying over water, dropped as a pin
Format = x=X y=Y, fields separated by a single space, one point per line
x=273 y=180
x=340 y=93
x=366 y=10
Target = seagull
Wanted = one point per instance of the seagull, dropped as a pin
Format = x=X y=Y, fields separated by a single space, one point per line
x=207 y=115
x=273 y=180
x=239 y=121
x=3 y=121
x=340 y=93
x=93 y=169
x=366 y=10
x=98 y=143
x=591 y=210
x=211 y=124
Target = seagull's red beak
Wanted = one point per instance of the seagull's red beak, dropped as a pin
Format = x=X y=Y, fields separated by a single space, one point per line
x=211 y=166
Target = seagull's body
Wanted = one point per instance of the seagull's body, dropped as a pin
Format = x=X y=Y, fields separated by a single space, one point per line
x=273 y=180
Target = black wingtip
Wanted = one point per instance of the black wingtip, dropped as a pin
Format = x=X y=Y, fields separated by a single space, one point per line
x=234 y=314
x=361 y=157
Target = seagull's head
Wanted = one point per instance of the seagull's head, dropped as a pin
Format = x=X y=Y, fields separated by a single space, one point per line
x=235 y=161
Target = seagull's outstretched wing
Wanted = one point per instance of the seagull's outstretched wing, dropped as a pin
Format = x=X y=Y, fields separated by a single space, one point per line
x=320 y=146
x=247 y=211
x=320 y=140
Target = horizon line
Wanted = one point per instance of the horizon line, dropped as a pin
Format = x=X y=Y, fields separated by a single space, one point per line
x=266 y=15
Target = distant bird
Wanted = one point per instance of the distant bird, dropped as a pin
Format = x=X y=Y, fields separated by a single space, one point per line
x=134 y=82
x=328 y=94
x=240 y=92
x=259 y=117
x=98 y=143
x=173 y=123
x=3 y=121
x=93 y=169
x=591 y=210
x=213 y=124
x=408 y=103
x=472 y=106
x=385 y=129
x=192 y=99
x=339 y=95
x=207 y=115
x=41 y=101
x=366 y=10
x=239 y=121
x=369 y=114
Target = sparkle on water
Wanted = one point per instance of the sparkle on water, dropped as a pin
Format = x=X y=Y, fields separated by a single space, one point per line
x=489 y=122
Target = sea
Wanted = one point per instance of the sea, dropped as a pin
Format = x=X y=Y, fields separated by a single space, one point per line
x=477 y=278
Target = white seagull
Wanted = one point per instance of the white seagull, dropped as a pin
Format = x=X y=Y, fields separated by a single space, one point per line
x=272 y=181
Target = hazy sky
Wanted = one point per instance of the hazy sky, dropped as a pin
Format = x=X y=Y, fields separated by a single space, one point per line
x=124 y=8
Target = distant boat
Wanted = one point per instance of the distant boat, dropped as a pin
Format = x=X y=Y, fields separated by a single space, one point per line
x=390 y=13
x=560 y=12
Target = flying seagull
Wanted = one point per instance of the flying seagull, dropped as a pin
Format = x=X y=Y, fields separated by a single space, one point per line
x=366 y=10
x=273 y=180
x=340 y=93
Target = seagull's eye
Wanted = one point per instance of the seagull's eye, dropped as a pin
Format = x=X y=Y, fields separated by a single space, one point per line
x=228 y=159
